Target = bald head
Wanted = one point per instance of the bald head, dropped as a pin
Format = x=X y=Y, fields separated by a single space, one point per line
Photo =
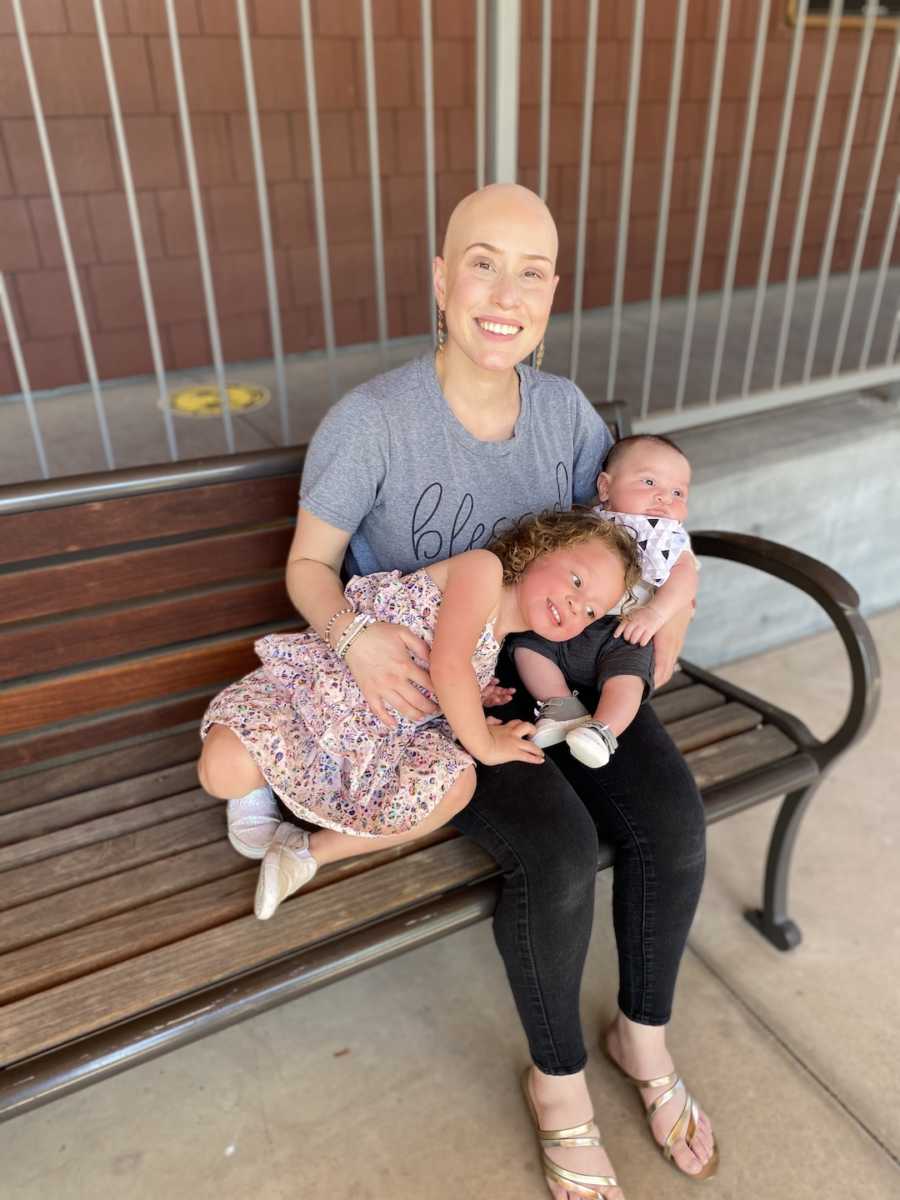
x=498 y=214
x=496 y=277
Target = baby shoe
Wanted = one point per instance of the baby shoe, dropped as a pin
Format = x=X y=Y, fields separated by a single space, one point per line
x=592 y=743
x=287 y=866
x=556 y=717
x=252 y=821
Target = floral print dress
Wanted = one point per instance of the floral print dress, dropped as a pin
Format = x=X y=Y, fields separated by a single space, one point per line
x=321 y=748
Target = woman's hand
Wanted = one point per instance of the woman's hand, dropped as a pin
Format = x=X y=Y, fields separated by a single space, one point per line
x=381 y=662
x=509 y=743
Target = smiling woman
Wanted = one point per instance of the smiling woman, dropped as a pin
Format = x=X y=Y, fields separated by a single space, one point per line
x=429 y=461
x=496 y=292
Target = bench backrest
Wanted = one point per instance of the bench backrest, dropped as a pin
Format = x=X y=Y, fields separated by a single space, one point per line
x=128 y=599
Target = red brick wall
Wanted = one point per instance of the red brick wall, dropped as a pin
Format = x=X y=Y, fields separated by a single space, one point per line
x=615 y=23
x=67 y=62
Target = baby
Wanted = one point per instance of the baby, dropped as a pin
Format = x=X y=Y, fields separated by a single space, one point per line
x=644 y=487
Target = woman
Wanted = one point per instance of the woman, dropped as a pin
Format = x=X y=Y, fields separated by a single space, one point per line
x=427 y=461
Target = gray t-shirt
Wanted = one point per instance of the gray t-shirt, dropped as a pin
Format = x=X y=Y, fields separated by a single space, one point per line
x=391 y=465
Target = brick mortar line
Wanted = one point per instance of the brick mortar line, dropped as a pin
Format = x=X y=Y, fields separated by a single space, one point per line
x=788 y=1049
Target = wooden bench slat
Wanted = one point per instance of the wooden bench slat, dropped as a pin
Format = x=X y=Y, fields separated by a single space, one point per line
x=55 y=644
x=737 y=755
x=89 y=833
x=82 y=904
x=78 y=527
x=91 y=946
x=42 y=819
x=122 y=767
x=219 y=661
x=685 y=701
x=115 y=993
x=36 y=968
x=66 y=587
x=113 y=857
x=92 y=904
x=714 y=725
x=113 y=731
x=679 y=680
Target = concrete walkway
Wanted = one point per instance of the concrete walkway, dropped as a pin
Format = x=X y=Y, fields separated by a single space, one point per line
x=402 y=1082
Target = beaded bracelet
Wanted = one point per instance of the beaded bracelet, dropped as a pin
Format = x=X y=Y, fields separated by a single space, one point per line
x=352 y=632
x=341 y=612
x=360 y=622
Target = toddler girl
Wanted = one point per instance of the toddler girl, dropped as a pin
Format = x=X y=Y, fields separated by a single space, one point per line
x=643 y=488
x=315 y=742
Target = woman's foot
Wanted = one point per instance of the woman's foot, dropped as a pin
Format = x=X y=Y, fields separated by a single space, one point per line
x=640 y=1051
x=561 y=1101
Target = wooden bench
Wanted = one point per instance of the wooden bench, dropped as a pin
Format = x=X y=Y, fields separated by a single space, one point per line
x=126 y=920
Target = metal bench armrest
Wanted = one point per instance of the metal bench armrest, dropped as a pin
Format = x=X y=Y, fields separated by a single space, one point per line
x=840 y=601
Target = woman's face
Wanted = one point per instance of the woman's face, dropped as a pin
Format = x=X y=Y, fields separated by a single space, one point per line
x=496 y=280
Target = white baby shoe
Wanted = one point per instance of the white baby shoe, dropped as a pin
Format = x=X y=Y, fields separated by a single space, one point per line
x=556 y=717
x=592 y=744
x=287 y=866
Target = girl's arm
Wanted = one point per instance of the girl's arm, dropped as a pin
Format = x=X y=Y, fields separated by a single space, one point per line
x=379 y=659
x=472 y=593
x=674 y=596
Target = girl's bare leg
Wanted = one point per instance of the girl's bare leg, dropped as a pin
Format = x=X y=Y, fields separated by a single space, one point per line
x=226 y=769
x=326 y=845
x=294 y=856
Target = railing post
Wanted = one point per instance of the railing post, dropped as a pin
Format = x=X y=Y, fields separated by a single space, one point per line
x=504 y=31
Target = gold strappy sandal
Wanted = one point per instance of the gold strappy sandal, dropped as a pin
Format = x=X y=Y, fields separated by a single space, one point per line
x=684 y=1127
x=592 y=1187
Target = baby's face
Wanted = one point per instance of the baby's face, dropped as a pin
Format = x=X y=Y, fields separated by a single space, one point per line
x=649 y=479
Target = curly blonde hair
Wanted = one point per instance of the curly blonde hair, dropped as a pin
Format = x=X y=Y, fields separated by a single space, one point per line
x=532 y=537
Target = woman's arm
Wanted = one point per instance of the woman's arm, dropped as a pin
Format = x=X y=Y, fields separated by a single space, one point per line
x=379 y=659
x=471 y=594
x=667 y=646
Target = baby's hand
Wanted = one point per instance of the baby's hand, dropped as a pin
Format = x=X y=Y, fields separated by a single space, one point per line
x=493 y=695
x=639 y=625
x=509 y=743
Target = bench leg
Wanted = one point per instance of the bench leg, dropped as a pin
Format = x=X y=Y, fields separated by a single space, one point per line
x=772 y=920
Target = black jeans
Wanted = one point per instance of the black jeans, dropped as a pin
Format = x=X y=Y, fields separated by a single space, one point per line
x=543 y=824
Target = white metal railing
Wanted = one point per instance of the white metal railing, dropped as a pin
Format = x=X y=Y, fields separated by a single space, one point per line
x=665 y=199
x=65 y=241
x=209 y=295
x=587 y=124
x=709 y=148
x=265 y=223
x=740 y=195
x=496 y=111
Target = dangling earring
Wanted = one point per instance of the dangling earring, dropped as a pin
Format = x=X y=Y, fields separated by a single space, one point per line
x=539 y=356
x=441 y=328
